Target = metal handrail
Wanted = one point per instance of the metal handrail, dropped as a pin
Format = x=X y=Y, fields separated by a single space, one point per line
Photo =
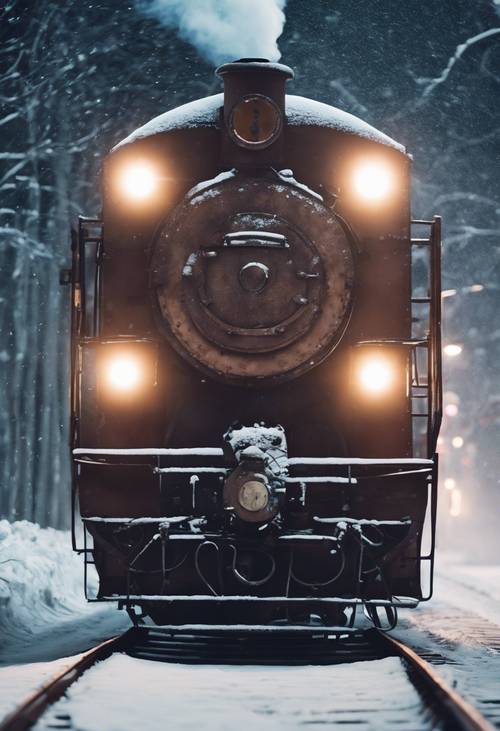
x=434 y=365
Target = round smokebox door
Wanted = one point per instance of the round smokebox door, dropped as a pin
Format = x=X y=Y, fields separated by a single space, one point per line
x=253 y=279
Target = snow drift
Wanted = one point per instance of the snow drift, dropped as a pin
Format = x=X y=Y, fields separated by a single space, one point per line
x=223 y=30
x=41 y=581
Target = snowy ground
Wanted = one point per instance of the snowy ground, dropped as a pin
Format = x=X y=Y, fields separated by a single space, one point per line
x=462 y=624
x=220 y=698
x=44 y=620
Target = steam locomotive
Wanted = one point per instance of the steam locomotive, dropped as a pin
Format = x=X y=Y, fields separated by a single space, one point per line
x=255 y=366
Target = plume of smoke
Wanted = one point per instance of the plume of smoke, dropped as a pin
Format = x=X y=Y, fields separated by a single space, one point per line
x=223 y=30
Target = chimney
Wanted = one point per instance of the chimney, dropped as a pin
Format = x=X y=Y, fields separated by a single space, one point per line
x=254 y=112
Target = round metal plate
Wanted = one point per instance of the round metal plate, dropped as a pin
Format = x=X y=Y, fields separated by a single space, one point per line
x=255 y=121
x=253 y=279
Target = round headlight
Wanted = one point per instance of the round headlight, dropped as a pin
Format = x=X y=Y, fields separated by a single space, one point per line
x=138 y=181
x=255 y=122
x=123 y=374
x=376 y=375
x=373 y=181
x=253 y=496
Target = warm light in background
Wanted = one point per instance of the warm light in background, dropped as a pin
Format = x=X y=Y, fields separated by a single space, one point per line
x=452 y=350
x=456 y=503
x=123 y=373
x=448 y=293
x=138 y=180
x=450 y=483
x=451 y=409
x=376 y=375
x=373 y=180
x=457 y=442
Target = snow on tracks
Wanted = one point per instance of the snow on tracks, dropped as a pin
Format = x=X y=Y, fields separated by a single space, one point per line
x=125 y=693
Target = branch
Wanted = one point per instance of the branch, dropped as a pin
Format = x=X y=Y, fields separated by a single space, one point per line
x=459 y=52
x=19 y=239
x=355 y=104
x=9 y=118
x=472 y=197
x=462 y=234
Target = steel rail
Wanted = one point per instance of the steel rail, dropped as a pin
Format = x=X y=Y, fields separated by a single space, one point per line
x=444 y=701
x=461 y=713
x=30 y=710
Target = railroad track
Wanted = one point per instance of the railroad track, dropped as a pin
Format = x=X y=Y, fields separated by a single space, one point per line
x=30 y=710
x=260 y=646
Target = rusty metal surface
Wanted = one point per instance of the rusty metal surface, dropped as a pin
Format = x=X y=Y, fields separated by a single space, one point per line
x=264 y=291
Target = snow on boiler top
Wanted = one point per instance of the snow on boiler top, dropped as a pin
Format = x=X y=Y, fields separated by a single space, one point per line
x=300 y=112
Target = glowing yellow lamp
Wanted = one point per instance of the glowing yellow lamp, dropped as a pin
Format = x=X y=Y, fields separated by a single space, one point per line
x=452 y=350
x=123 y=373
x=376 y=375
x=138 y=181
x=373 y=181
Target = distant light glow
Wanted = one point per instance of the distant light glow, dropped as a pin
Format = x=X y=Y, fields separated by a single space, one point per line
x=476 y=288
x=451 y=397
x=373 y=180
x=138 y=180
x=457 y=442
x=448 y=293
x=452 y=350
x=450 y=483
x=451 y=410
x=123 y=373
x=455 y=503
x=376 y=375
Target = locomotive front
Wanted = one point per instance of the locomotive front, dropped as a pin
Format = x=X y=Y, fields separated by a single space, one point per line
x=256 y=386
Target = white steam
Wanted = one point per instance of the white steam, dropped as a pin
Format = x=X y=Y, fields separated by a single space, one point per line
x=223 y=30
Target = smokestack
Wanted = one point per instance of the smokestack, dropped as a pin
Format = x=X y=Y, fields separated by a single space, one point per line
x=254 y=98
x=253 y=76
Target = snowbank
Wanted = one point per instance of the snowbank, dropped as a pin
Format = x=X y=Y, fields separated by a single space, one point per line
x=41 y=580
x=44 y=616
x=43 y=610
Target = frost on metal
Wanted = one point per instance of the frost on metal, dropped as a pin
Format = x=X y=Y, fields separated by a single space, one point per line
x=359 y=461
x=187 y=270
x=287 y=176
x=192 y=470
x=152 y=452
x=300 y=112
x=198 y=113
x=260 y=442
x=323 y=479
x=343 y=522
x=200 y=187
